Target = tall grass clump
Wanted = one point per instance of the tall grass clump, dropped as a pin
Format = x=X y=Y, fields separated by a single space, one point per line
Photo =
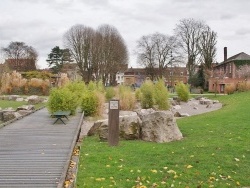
x=243 y=86
x=147 y=97
x=161 y=95
x=127 y=98
x=110 y=93
x=62 y=99
x=100 y=86
x=92 y=86
x=138 y=94
x=182 y=91
x=229 y=89
x=77 y=87
x=92 y=103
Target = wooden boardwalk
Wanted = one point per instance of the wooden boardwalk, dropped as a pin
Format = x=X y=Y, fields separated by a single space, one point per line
x=36 y=153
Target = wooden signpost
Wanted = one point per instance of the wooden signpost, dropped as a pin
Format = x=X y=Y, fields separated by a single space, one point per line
x=113 y=123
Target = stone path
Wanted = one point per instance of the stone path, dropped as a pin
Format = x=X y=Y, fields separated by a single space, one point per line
x=36 y=153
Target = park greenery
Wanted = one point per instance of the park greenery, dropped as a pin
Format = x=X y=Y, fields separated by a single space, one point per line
x=214 y=153
x=91 y=98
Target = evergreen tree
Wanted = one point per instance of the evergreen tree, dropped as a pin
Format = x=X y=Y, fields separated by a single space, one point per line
x=57 y=57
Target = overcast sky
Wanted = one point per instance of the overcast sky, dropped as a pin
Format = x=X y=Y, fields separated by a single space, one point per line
x=42 y=23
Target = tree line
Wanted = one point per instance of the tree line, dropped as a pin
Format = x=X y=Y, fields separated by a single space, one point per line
x=193 y=44
x=101 y=53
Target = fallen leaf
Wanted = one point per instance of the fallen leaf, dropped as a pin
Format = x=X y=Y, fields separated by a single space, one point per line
x=189 y=166
x=154 y=171
x=236 y=159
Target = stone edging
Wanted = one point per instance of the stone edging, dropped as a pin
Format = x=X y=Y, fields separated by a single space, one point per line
x=73 y=144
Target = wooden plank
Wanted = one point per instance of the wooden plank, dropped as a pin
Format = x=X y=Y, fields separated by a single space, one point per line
x=34 y=152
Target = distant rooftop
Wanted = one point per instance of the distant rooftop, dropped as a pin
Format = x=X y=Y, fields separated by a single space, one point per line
x=239 y=56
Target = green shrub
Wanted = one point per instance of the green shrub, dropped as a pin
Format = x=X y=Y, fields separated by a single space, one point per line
x=100 y=86
x=127 y=98
x=89 y=103
x=92 y=86
x=147 y=98
x=62 y=99
x=161 y=95
x=77 y=88
x=138 y=94
x=182 y=91
x=110 y=93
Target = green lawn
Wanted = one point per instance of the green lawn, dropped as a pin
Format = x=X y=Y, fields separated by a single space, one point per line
x=13 y=104
x=215 y=152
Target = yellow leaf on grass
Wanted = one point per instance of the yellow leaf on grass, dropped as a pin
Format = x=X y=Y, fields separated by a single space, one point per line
x=237 y=183
x=189 y=166
x=236 y=159
x=100 y=179
x=154 y=171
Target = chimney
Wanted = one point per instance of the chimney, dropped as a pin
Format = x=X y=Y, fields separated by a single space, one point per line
x=225 y=53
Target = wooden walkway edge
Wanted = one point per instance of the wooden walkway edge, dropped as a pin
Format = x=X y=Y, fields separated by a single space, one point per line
x=36 y=153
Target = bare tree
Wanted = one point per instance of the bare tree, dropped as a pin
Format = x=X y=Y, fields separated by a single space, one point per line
x=188 y=33
x=146 y=54
x=207 y=47
x=154 y=51
x=243 y=71
x=78 y=39
x=164 y=46
x=18 y=52
x=113 y=53
x=98 y=54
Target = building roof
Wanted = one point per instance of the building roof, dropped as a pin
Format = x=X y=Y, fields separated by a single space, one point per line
x=239 y=56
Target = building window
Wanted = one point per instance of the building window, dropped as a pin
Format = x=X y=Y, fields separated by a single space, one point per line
x=181 y=73
x=230 y=68
x=171 y=73
x=118 y=77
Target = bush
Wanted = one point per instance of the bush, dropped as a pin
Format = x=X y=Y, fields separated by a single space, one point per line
x=161 y=95
x=62 y=99
x=100 y=86
x=101 y=101
x=90 y=103
x=77 y=87
x=229 y=89
x=147 y=98
x=243 y=86
x=92 y=86
x=138 y=94
x=110 y=93
x=127 y=98
x=182 y=91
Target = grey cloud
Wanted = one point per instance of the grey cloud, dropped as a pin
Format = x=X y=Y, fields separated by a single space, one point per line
x=243 y=31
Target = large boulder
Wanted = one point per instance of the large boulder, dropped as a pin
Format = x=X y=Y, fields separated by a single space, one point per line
x=34 y=99
x=160 y=126
x=26 y=107
x=129 y=128
x=95 y=128
x=7 y=116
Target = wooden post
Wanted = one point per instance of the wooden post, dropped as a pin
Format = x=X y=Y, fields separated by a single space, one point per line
x=113 y=123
